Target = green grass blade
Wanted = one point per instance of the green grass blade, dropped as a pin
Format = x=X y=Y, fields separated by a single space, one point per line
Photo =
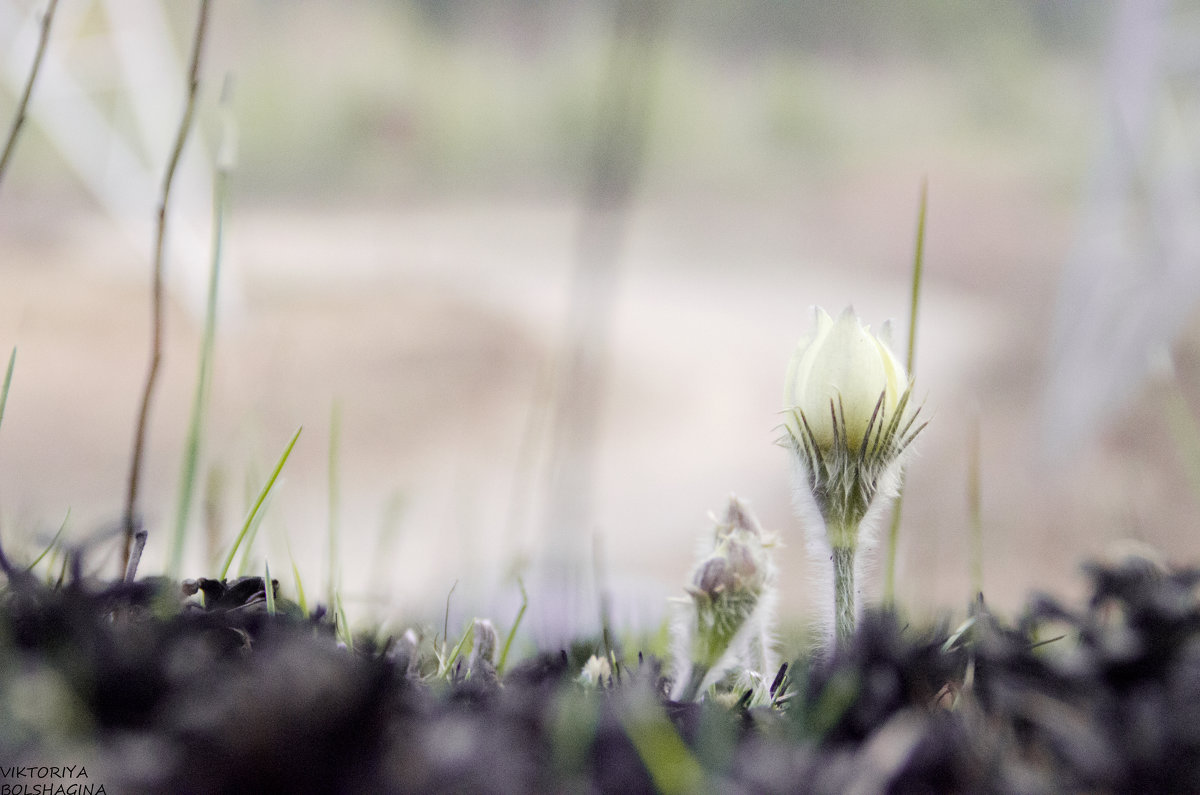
x=448 y=663
x=671 y=765
x=8 y=374
x=975 y=508
x=247 y=545
x=889 y=569
x=12 y=360
x=343 y=625
x=300 y=598
x=191 y=449
x=268 y=589
x=516 y=624
x=335 y=434
x=53 y=541
x=917 y=277
x=258 y=503
x=446 y=620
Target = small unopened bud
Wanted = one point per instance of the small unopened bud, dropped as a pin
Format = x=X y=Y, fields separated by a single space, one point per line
x=484 y=648
x=738 y=518
x=404 y=652
x=596 y=672
x=714 y=577
x=728 y=589
x=733 y=569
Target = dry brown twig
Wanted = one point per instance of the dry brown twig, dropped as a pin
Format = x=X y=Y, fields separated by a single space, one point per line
x=131 y=518
x=23 y=104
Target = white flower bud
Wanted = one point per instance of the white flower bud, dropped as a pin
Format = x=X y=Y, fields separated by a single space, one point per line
x=596 y=672
x=848 y=427
x=843 y=365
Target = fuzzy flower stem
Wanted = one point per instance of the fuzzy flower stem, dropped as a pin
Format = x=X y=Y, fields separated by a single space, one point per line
x=695 y=679
x=844 y=607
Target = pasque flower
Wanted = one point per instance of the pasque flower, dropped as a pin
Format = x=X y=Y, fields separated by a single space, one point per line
x=841 y=364
x=724 y=624
x=847 y=424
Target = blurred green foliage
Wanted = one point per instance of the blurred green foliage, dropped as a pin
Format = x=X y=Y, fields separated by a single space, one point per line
x=392 y=98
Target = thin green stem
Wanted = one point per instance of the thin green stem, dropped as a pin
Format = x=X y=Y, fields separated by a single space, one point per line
x=845 y=607
x=695 y=679
x=300 y=598
x=918 y=272
x=53 y=541
x=5 y=566
x=191 y=455
x=889 y=569
x=1185 y=432
x=516 y=624
x=335 y=438
x=8 y=374
x=268 y=589
x=974 y=506
x=258 y=504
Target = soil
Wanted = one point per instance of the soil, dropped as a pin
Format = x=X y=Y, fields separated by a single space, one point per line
x=125 y=689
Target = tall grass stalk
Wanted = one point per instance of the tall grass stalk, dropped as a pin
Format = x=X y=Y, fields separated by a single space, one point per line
x=516 y=624
x=1185 y=432
x=157 y=289
x=335 y=440
x=300 y=597
x=191 y=450
x=446 y=618
x=8 y=374
x=5 y=566
x=23 y=103
x=247 y=563
x=53 y=542
x=268 y=589
x=975 y=505
x=343 y=625
x=448 y=661
x=259 y=503
x=889 y=569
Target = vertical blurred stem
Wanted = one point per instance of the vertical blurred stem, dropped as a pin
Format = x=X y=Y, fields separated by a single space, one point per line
x=258 y=503
x=695 y=678
x=335 y=497
x=5 y=566
x=23 y=104
x=614 y=167
x=1184 y=431
x=8 y=374
x=156 y=341
x=974 y=505
x=191 y=453
x=889 y=571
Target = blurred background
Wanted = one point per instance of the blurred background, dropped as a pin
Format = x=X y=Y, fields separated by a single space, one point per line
x=545 y=262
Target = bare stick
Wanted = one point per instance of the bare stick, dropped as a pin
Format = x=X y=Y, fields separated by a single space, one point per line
x=139 y=441
x=19 y=120
x=139 y=544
